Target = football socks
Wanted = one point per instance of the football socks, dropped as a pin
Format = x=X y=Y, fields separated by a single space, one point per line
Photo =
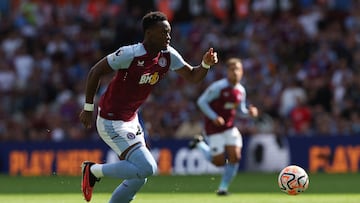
x=126 y=191
x=205 y=149
x=96 y=170
x=230 y=170
x=140 y=164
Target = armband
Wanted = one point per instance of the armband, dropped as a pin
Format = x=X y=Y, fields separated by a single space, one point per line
x=88 y=107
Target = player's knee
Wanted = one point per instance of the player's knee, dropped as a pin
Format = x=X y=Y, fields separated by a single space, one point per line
x=219 y=162
x=235 y=160
x=148 y=169
x=144 y=161
x=151 y=169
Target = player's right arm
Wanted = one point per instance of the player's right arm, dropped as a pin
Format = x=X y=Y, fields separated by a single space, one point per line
x=93 y=80
x=203 y=102
x=120 y=59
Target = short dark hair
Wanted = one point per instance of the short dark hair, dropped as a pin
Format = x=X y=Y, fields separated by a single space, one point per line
x=152 y=18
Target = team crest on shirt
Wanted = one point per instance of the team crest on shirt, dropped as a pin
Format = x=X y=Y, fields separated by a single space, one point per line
x=162 y=62
x=130 y=136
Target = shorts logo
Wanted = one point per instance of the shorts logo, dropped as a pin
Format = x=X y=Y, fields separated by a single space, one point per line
x=162 y=62
x=130 y=136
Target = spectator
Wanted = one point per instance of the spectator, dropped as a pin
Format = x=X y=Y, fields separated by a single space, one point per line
x=190 y=127
x=314 y=42
x=301 y=117
x=292 y=93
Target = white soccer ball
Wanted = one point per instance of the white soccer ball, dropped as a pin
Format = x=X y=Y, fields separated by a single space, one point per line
x=293 y=180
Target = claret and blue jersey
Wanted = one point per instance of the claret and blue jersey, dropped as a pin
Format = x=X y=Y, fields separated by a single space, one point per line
x=136 y=75
x=222 y=99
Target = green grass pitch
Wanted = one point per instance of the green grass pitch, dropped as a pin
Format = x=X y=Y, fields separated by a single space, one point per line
x=247 y=187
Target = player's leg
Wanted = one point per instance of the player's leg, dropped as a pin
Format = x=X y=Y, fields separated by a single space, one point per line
x=198 y=142
x=230 y=169
x=126 y=191
x=233 y=145
x=217 y=148
x=219 y=159
x=88 y=180
x=217 y=144
x=213 y=149
x=138 y=162
x=127 y=140
x=139 y=165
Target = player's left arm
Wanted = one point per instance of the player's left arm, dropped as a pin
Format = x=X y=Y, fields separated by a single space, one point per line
x=250 y=109
x=197 y=73
x=253 y=111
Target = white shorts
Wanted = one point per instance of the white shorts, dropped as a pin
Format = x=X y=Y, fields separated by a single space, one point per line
x=218 y=141
x=119 y=135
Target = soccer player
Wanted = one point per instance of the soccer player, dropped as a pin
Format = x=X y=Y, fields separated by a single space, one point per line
x=138 y=68
x=220 y=103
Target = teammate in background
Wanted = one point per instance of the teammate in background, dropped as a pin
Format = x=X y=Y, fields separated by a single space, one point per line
x=220 y=103
x=138 y=68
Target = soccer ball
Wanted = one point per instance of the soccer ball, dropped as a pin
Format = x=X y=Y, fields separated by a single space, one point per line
x=293 y=180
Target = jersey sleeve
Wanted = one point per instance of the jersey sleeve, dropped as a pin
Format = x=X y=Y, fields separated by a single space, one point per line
x=121 y=58
x=242 y=107
x=211 y=93
x=176 y=59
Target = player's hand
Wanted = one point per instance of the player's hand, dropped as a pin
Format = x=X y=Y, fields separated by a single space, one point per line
x=86 y=118
x=253 y=111
x=219 y=121
x=210 y=57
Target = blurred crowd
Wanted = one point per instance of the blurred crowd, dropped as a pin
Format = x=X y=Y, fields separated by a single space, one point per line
x=301 y=61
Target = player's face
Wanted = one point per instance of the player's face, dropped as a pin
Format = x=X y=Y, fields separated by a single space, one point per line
x=160 y=35
x=234 y=73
